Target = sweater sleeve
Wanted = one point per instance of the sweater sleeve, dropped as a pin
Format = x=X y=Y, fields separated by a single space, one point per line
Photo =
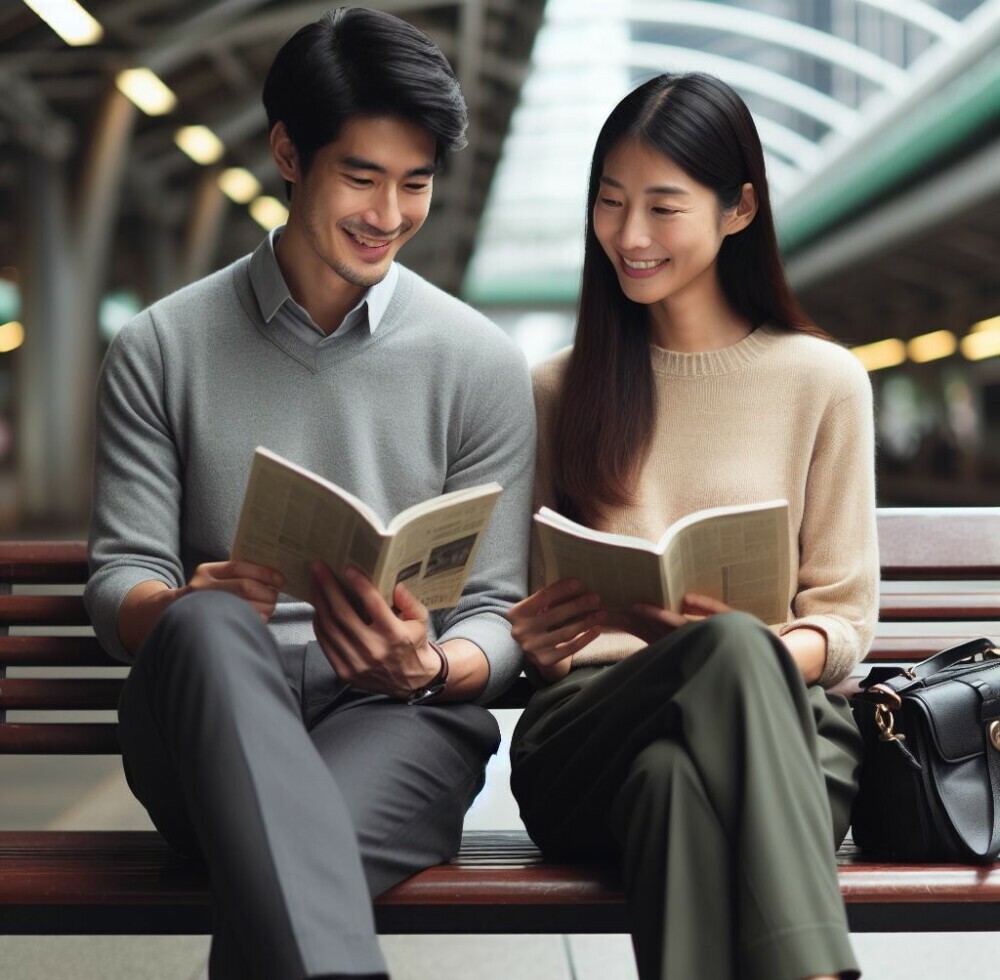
x=497 y=443
x=135 y=520
x=838 y=544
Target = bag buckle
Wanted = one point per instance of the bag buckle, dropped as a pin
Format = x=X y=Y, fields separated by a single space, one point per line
x=885 y=720
x=993 y=731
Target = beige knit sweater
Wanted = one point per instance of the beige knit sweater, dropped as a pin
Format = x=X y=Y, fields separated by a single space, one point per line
x=779 y=414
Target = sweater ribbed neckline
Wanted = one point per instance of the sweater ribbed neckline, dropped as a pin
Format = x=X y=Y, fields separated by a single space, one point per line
x=713 y=362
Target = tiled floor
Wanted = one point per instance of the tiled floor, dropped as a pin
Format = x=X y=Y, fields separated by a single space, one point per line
x=90 y=793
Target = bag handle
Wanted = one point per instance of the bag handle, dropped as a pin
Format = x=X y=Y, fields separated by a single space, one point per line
x=980 y=646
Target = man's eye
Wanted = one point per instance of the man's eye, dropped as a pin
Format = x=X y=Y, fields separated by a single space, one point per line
x=359 y=181
x=417 y=187
x=664 y=211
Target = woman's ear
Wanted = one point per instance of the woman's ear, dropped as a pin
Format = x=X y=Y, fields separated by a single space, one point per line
x=285 y=155
x=744 y=212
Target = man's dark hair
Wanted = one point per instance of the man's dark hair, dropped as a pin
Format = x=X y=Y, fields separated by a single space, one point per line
x=359 y=62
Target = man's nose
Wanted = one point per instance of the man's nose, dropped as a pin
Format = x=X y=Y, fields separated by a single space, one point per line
x=384 y=213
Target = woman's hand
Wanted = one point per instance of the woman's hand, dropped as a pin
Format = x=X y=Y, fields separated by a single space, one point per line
x=651 y=623
x=555 y=623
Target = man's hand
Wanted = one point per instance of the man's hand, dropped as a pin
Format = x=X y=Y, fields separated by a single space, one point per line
x=257 y=584
x=146 y=602
x=367 y=644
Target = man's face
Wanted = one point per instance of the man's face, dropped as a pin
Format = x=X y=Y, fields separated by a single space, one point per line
x=365 y=195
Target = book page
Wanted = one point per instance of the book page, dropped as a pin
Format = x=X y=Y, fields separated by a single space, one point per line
x=433 y=552
x=740 y=558
x=620 y=574
x=290 y=519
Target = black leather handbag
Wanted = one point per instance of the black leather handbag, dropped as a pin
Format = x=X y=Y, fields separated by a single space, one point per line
x=930 y=774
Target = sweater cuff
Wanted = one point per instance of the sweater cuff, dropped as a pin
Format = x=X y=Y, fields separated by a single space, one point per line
x=103 y=598
x=491 y=633
x=842 y=653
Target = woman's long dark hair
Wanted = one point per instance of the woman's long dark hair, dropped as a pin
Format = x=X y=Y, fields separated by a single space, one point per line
x=605 y=417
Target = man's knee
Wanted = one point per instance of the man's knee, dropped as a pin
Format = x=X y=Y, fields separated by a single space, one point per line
x=203 y=630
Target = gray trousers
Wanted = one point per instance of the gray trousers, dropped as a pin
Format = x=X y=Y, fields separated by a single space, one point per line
x=720 y=783
x=304 y=799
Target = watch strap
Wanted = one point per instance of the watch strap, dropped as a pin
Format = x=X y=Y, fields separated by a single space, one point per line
x=437 y=684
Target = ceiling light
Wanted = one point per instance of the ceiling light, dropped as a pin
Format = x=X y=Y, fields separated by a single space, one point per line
x=931 y=346
x=146 y=90
x=239 y=185
x=993 y=323
x=982 y=344
x=69 y=20
x=269 y=212
x=881 y=354
x=11 y=336
x=200 y=144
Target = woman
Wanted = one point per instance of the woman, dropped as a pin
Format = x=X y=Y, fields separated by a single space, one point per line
x=700 y=749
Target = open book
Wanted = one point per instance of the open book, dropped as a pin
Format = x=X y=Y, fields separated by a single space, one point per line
x=737 y=554
x=292 y=517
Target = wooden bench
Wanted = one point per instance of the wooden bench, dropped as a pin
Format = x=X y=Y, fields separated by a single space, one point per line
x=132 y=883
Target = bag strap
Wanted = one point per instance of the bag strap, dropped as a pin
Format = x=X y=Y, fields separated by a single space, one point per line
x=981 y=646
x=989 y=716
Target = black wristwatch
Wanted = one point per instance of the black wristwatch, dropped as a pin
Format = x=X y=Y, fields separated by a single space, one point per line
x=437 y=684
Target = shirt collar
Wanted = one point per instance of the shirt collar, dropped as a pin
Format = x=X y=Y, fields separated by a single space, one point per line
x=272 y=291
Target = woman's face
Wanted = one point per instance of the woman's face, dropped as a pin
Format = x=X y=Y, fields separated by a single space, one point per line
x=661 y=229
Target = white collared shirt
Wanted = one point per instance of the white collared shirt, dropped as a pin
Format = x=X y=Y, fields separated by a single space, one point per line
x=276 y=300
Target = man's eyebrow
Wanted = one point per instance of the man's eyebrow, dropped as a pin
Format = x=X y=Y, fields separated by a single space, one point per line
x=359 y=163
x=659 y=189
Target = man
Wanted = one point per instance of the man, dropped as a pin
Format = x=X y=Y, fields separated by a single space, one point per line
x=315 y=761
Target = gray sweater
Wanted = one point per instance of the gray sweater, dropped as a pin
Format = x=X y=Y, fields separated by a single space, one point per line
x=438 y=398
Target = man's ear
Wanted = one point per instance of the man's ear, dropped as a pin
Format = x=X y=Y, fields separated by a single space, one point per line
x=744 y=212
x=284 y=153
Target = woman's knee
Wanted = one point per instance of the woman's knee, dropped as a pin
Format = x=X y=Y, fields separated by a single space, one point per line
x=737 y=643
x=661 y=760
x=660 y=771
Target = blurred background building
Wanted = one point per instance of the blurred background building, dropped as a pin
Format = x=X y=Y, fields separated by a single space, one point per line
x=134 y=159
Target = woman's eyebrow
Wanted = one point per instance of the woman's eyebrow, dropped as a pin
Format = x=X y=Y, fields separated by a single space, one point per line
x=659 y=189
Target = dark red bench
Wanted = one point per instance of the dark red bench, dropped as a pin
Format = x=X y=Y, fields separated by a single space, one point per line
x=132 y=883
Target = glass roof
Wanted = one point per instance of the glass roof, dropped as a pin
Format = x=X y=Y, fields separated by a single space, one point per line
x=818 y=76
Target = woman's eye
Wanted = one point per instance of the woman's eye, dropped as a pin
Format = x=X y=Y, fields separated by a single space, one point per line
x=610 y=202
x=664 y=211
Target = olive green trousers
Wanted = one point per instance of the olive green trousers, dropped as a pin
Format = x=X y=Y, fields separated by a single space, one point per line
x=721 y=783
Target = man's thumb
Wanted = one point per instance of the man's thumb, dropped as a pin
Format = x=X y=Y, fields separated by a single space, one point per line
x=409 y=606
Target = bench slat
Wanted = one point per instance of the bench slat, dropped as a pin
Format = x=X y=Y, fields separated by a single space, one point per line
x=43 y=610
x=939 y=543
x=57 y=562
x=88 y=738
x=129 y=881
x=53 y=651
x=60 y=694
x=917 y=607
